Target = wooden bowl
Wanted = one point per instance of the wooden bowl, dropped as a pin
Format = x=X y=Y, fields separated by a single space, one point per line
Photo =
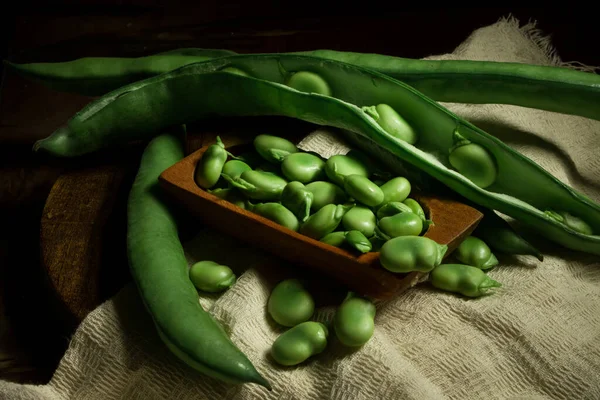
x=453 y=221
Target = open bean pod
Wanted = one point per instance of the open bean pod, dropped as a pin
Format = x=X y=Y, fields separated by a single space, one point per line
x=520 y=188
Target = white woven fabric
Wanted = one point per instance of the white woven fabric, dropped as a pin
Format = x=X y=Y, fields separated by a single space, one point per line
x=536 y=338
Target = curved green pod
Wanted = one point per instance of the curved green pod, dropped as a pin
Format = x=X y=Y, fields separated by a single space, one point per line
x=160 y=271
x=549 y=88
x=96 y=76
x=522 y=189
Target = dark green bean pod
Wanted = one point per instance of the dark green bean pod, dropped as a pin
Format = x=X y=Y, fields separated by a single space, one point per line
x=501 y=237
x=96 y=76
x=522 y=189
x=160 y=270
x=550 y=88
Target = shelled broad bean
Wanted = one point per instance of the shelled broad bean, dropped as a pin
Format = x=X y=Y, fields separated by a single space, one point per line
x=336 y=200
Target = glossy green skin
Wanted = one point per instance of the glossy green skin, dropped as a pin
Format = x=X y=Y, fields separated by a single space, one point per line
x=358 y=241
x=290 y=303
x=501 y=237
x=336 y=239
x=475 y=252
x=401 y=224
x=392 y=208
x=411 y=253
x=278 y=213
x=354 y=321
x=550 y=88
x=273 y=148
x=309 y=82
x=235 y=168
x=464 y=279
x=393 y=123
x=396 y=189
x=543 y=87
x=415 y=207
x=142 y=109
x=209 y=276
x=233 y=70
x=160 y=271
x=260 y=185
x=324 y=221
x=360 y=218
x=363 y=190
x=573 y=222
x=303 y=167
x=298 y=199
x=96 y=76
x=210 y=166
x=473 y=161
x=339 y=166
x=299 y=343
x=325 y=193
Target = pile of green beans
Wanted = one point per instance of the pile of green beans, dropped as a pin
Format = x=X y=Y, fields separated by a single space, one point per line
x=346 y=201
x=291 y=305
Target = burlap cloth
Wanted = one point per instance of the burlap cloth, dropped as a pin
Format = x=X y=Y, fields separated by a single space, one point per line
x=539 y=337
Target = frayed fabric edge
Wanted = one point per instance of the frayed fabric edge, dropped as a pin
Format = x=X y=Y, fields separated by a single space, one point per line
x=544 y=43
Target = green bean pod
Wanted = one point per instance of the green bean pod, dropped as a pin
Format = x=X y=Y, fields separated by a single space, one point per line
x=521 y=189
x=160 y=271
x=501 y=237
x=96 y=76
x=475 y=252
x=464 y=279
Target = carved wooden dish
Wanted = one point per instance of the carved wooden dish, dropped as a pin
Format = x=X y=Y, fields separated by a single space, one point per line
x=452 y=222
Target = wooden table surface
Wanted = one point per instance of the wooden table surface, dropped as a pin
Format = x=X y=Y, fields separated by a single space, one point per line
x=63 y=241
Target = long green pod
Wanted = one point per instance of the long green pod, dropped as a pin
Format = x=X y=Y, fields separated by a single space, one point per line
x=522 y=189
x=549 y=88
x=160 y=271
x=96 y=76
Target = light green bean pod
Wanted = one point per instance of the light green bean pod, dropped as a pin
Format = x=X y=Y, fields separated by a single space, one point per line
x=212 y=277
x=354 y=321
x=290 y=303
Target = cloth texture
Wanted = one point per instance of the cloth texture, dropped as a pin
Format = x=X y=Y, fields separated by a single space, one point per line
x=538 y=337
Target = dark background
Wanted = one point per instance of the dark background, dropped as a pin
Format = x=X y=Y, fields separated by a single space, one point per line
x=34 y=337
